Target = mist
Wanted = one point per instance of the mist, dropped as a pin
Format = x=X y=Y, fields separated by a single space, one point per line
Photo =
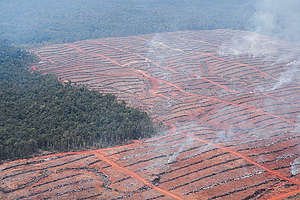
x=47 y=21
x=273 y=22
x=279 y=19
x=274 y=28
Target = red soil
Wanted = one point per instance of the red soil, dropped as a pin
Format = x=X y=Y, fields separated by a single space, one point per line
x=233 y=135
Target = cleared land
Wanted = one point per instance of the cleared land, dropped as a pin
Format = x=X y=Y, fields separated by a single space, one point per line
x=234 y=121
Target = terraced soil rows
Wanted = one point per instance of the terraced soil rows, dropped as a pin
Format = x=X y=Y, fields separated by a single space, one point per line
x=234 y=122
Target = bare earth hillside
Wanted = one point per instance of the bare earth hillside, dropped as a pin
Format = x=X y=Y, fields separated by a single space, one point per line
x=230 y=98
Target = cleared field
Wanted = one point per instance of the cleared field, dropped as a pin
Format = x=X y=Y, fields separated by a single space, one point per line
x=234 y=121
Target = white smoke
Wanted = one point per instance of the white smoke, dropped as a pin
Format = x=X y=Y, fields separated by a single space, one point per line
x=187 y=142
x=295 y=167
x=276 y=27
x=287 y=77
x=249 y=44
x=276 y=19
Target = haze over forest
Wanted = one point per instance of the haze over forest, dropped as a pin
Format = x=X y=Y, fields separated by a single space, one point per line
x=149 y=99
x=34 y=21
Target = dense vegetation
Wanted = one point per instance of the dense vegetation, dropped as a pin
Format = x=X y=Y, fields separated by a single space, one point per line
x=38 y=113
x=36 y=21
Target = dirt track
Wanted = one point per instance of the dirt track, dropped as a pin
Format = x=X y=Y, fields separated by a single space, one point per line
x=234 y=122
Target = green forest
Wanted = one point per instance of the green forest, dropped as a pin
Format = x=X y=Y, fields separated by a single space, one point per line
x=42 y=22
x=39 y=114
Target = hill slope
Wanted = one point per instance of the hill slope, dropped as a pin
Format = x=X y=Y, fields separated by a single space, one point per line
x=233 y=113
x=38 y=113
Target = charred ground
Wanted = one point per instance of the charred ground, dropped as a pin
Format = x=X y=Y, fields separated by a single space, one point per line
x=38 y=113
x=234 y=119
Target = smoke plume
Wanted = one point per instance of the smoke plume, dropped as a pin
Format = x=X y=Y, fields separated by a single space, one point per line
x=277 y=18
x=273 y=19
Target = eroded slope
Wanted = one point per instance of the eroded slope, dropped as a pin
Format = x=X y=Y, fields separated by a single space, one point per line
x=232 y=107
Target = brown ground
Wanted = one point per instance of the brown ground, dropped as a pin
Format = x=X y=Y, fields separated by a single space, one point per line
x=234 y=121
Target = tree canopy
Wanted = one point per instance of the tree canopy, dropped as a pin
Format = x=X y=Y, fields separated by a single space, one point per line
x=38 y=113
x=48 y=21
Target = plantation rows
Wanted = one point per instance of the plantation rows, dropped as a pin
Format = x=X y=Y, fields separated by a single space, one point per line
x=234 y=126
